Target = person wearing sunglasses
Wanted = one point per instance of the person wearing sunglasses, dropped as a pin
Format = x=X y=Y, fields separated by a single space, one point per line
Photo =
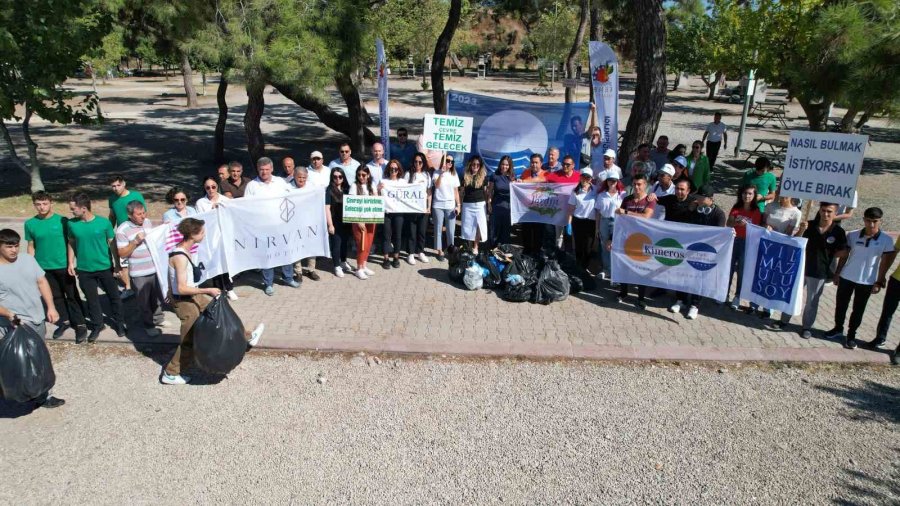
x=475 y=203
x=338 y=232
x=345 y=160
x=418 y=222
x=498 y=186
x=177 y=197
x=743 y=212
x=698 y=165
x=318 y=174
x=363 y=233
x=445 y=205
x=403 y=150
x=212 y=196
x=609 y=198
x=393 y=222
x=582 y=217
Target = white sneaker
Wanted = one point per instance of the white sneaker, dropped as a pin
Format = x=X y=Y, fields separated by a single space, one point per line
x=232 y=295
x=411 y=259
x=676 y=307
x=361 y=274
x=423 y=258
x=256 y=334
x=346 y=267
x=167 y=379
x=692 y=313
x=368 y=271
x=339 y=272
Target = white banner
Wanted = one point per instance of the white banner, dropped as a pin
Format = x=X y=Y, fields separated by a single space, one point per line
x=773 y=270
x=447 y=133
x=403 y=197
x=676 y=256
x=209 y=254
x=823 y=166
x=265 y=232
x=605 y=79
x=383 y=98
x=540 y=202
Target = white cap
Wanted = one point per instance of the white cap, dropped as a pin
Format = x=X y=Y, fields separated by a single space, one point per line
x=610 y=154
x=613 y=173
x=316 y=154
x=587 y=172
x=668 y=169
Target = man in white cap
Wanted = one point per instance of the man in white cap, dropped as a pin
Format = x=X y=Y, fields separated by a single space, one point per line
x=662 y=187
x=318 y=173
x=609 y=162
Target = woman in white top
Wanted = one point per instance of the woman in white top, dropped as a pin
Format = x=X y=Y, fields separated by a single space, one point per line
x=582 y=218
x=784 y=217
x=445 y=204
x=212 y=198
x=609 y=198
x=418 y=222
x=363 y=233
x=189 y=300
x=178 y=199
x=393 y=222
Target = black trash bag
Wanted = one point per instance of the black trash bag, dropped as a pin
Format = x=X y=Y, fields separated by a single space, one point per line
x=552 y=284
x=575 y=284
x=494 y=278
x=26 y=372
x=570 y=266
x=525 y=266
x=517 y=293
x=219 y=342
x=460 y=255
x=457 y=272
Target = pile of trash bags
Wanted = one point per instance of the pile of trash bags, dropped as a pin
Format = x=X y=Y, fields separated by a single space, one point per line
x=26 y=372
x=219 y=341
x=517 y=277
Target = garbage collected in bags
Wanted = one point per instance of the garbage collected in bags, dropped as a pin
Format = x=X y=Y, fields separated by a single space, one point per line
x=26 y=372
x=219 y=341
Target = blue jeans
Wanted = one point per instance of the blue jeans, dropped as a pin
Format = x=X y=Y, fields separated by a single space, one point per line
x=606 y=232
x=287 y=274
x=443 y=218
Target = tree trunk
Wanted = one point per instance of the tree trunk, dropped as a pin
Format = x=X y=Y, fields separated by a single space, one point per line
x=596 y=14
x=255 y=105
x=331 y=118
x=13 y=154
x=650 y=92
x=219 y=149
x=714 y=86
x=863 y=120
x=576 y=47
x=816 y=114
x=440 y=54
x=356 y=113
x=847 y=121
x=677 y=81
x=188 y=75
x=37 y=184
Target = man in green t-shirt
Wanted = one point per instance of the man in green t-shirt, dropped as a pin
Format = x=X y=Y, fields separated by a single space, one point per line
x=118 y=214
x=762 y=178
x=46 y=237
x=90 y=243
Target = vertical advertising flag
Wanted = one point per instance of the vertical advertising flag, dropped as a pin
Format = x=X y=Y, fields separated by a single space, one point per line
x=383 y=98
x=605 y=78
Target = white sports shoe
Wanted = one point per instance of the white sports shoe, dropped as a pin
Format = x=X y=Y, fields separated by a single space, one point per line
x=368 y=271
x=256 y=334
x=168 y=379
x=339 y=272
x=692 y=313
x=676 y=307
x=346 y=267
x=361 y=274
x=232 y=295
x=423 y=258
x=411 y=259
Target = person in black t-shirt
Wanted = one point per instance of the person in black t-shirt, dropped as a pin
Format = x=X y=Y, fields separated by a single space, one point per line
x=680 y=205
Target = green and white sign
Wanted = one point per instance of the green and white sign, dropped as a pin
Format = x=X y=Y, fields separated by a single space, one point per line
x=363 y=209
x=448 y=133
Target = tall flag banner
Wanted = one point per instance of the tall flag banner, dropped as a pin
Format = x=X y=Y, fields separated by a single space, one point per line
x=773 y=270
x=383 y=98
x=209 y=255
x=605 y=79
x=540 y=202
x=675 y=256
x=518 y=129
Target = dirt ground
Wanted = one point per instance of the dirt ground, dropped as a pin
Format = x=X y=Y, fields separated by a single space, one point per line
x=155 y=142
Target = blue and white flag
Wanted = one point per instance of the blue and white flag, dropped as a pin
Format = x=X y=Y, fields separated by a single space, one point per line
x=383 y=98
x=519 y=129
x=774 y=264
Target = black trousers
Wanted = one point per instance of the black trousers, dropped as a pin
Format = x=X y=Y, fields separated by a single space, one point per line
x=532 y=237
x=90 y=282
x=418 y=223
x=583 y=231
x=860 y=294
x=642 y=292
x=712 y=152
x=689 y=299
x=500 y=225
x=65 y=297
x=339 y=242
x=393 y=233
x=891 y=298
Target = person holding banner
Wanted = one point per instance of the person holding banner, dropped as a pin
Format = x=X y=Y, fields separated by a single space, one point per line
x=305 y=266
x=189 y=300
x=130 y=243
x=592 y=150
x=208 y=203
x=781 y=216
x=582 y=217
x=640 y=205
x=744 y=211
x=532 y=233
x=860 y=274
x=445 y=204
x=393 y=222
x=338 y=231
x=609 y=199
x=498 y=188
x=363 y=233
x=418 y=222
x=475 y=203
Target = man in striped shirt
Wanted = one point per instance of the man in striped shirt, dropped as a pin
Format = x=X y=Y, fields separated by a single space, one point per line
x=130 y=237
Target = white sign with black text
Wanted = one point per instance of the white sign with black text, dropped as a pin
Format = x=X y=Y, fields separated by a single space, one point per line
x=823 y=166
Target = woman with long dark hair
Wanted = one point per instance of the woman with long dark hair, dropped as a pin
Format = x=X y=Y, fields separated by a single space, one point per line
x=393 y=222
x=418 y=222
x=744 y=211
x=338 y=231
x=609 y=198
x=475 y=203
x=445 y=204
x=498 y=188
x=208 y=203
x=582 y=217
x=363 y=233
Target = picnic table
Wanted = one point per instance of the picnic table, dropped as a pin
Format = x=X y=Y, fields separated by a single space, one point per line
x=772 y=110
x=542 y=89
x=773 y=149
